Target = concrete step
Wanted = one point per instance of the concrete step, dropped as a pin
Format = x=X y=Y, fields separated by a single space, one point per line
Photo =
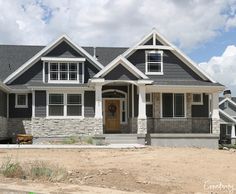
x=121 y=138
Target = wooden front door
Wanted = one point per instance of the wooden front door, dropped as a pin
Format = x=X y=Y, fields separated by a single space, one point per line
x=112 y=116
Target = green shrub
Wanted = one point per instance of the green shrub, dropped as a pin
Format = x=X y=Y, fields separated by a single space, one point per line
x=88 y=140
x=12 y=169
x=45 y=171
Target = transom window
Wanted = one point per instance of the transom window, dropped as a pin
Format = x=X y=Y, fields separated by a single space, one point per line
x=148 y=98
x=65 y=71
x=21 y=101
x=154 y=62
x=173 y=105
x=197 y=99
x=64 y=104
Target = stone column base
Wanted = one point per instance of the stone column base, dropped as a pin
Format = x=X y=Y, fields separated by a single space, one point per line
x=98 y=129
x=215 y=126
x=142 y=126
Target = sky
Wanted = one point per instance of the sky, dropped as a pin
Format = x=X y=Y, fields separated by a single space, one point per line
x=204 y=29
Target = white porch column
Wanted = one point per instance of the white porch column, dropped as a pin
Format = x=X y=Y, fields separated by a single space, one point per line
x=98 y=101
x=233 y=138
x=142 y=118
x=142 y=102
x=98 y=109
x=215 y=114
x=33 y=103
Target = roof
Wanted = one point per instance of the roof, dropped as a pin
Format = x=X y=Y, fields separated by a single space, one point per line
x=185 y=82
x=45 y=85
x=13 y=56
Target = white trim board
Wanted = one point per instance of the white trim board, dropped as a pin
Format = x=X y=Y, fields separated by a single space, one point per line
x=123 y=61
x=62 y=59
x=47 y=49
x=227 y=115
x=227 y=99
x=175 y=50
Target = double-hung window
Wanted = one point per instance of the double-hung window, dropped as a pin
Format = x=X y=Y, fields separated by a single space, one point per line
x=64 y=105
x=173 y=105
x=154 y=62
x=74 y=105
x=65 y=71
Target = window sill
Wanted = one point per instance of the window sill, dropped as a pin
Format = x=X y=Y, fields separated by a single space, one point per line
x=21 y=106
x=64 y=82
x=64 y=117
x=197 y=103
x=154 y=73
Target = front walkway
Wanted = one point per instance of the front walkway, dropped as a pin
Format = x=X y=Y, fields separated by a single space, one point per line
x=40 y=146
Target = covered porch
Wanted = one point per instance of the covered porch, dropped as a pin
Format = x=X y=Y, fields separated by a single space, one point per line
x=137 y=107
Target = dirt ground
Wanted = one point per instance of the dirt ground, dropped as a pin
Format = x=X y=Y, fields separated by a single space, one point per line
x=146 y=170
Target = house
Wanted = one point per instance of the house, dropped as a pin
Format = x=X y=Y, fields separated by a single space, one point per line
x=151 y=90
x=227 y=107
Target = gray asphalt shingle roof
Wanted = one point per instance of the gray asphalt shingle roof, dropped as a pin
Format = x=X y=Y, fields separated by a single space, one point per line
x=13 y=56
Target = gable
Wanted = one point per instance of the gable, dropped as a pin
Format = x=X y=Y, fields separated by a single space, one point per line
x=63 y=50
x=223 y=119
x=230 y=109
x=173 y=67
x=58 y=51
x=120 y=73
x=166 y=45
x=150 y=42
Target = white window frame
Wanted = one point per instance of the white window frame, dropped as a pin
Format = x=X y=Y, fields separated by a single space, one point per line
x=146 y=63
x=65 y=105
x=185 y=106
x=66 y=81
x=149 y=102
x=197 y=103
x=26 y=101
x=226 y=129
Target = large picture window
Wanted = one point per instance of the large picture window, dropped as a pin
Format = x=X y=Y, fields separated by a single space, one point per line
x=64 y=105
x=154 y=62
x=173 y=105
x=65 y=71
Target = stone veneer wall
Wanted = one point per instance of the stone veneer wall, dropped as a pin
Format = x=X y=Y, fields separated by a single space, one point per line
x=42 y=127
x=3 y=127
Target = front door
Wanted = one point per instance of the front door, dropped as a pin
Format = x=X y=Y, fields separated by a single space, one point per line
x=112 y=116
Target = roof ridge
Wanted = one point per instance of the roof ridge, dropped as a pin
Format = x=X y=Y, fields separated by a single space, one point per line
x=120 y=47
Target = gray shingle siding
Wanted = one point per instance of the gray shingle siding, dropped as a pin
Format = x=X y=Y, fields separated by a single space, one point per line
x=120 y=73
x=173 y=68
x=201 y=110
x=19 y=112
x=89 y=103
x=3 y=104
x=63 y=50
x=40 y=103
x=33 y=74
x=89 y=71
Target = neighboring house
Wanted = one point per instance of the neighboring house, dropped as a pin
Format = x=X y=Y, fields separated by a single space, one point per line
x=227 y=107
x=151 y=88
